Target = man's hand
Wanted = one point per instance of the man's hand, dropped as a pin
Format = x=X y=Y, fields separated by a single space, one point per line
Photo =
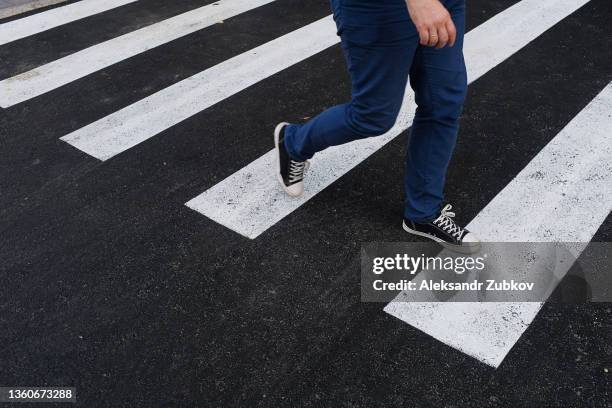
x=433 y=22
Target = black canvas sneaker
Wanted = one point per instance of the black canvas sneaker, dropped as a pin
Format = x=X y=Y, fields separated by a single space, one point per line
x=444 y=231
x=290 y=173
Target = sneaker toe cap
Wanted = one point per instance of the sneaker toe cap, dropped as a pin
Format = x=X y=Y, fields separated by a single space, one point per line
x=295 y=190
x=470 y=239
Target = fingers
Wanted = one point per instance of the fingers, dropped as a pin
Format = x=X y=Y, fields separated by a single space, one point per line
x=433 y=37
x=443 y=37
x=452 y=32
x=423 y=35
x=439 y=34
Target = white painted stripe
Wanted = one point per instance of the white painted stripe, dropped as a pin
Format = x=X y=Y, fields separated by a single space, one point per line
x=72 y=67
x=46 y=20
x=138 y=122
x=15 y=9
x=563 y=195
x=249 y=201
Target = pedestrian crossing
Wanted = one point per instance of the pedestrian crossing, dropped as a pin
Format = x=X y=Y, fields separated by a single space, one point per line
x=46 y=20
x=563 y=195
x=62 y=71
x=146 y=118
x=249 y=202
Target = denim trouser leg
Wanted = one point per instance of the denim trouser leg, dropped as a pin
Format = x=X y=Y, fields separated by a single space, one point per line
x=381 y=46
x=439 y=81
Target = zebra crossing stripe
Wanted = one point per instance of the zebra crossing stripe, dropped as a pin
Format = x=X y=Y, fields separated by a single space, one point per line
x=46 y=20
x=563 y=195
x=10 y=10
x=144 y=119
x=249 y=201
x=60 y=72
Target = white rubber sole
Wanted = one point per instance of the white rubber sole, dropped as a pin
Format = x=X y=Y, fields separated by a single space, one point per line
x=467 y=248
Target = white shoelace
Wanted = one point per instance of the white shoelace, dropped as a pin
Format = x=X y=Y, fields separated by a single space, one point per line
x=296 y=171
x=446 y=222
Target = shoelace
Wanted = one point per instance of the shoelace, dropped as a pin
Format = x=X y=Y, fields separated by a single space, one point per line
x=296 y=171
x=446 y=222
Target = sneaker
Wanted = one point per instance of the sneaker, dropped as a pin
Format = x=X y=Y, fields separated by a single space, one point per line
x=290 y=172
x=444 y=231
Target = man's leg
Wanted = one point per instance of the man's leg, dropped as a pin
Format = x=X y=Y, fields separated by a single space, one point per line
x=438 y=78
x=379 y=42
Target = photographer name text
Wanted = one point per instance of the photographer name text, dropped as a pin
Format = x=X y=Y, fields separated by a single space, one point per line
x=431 y=285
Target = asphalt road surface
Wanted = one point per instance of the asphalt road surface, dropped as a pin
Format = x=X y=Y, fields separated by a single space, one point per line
x=147 y=259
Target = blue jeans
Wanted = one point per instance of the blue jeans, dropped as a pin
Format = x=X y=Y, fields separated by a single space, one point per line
x=381 y=46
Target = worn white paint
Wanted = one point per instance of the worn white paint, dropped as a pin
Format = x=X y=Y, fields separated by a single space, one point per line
x=249 y=201
x=82 y=63
x=138 y=122
x=46 y=20
x=10 y=8
x=563 y=195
